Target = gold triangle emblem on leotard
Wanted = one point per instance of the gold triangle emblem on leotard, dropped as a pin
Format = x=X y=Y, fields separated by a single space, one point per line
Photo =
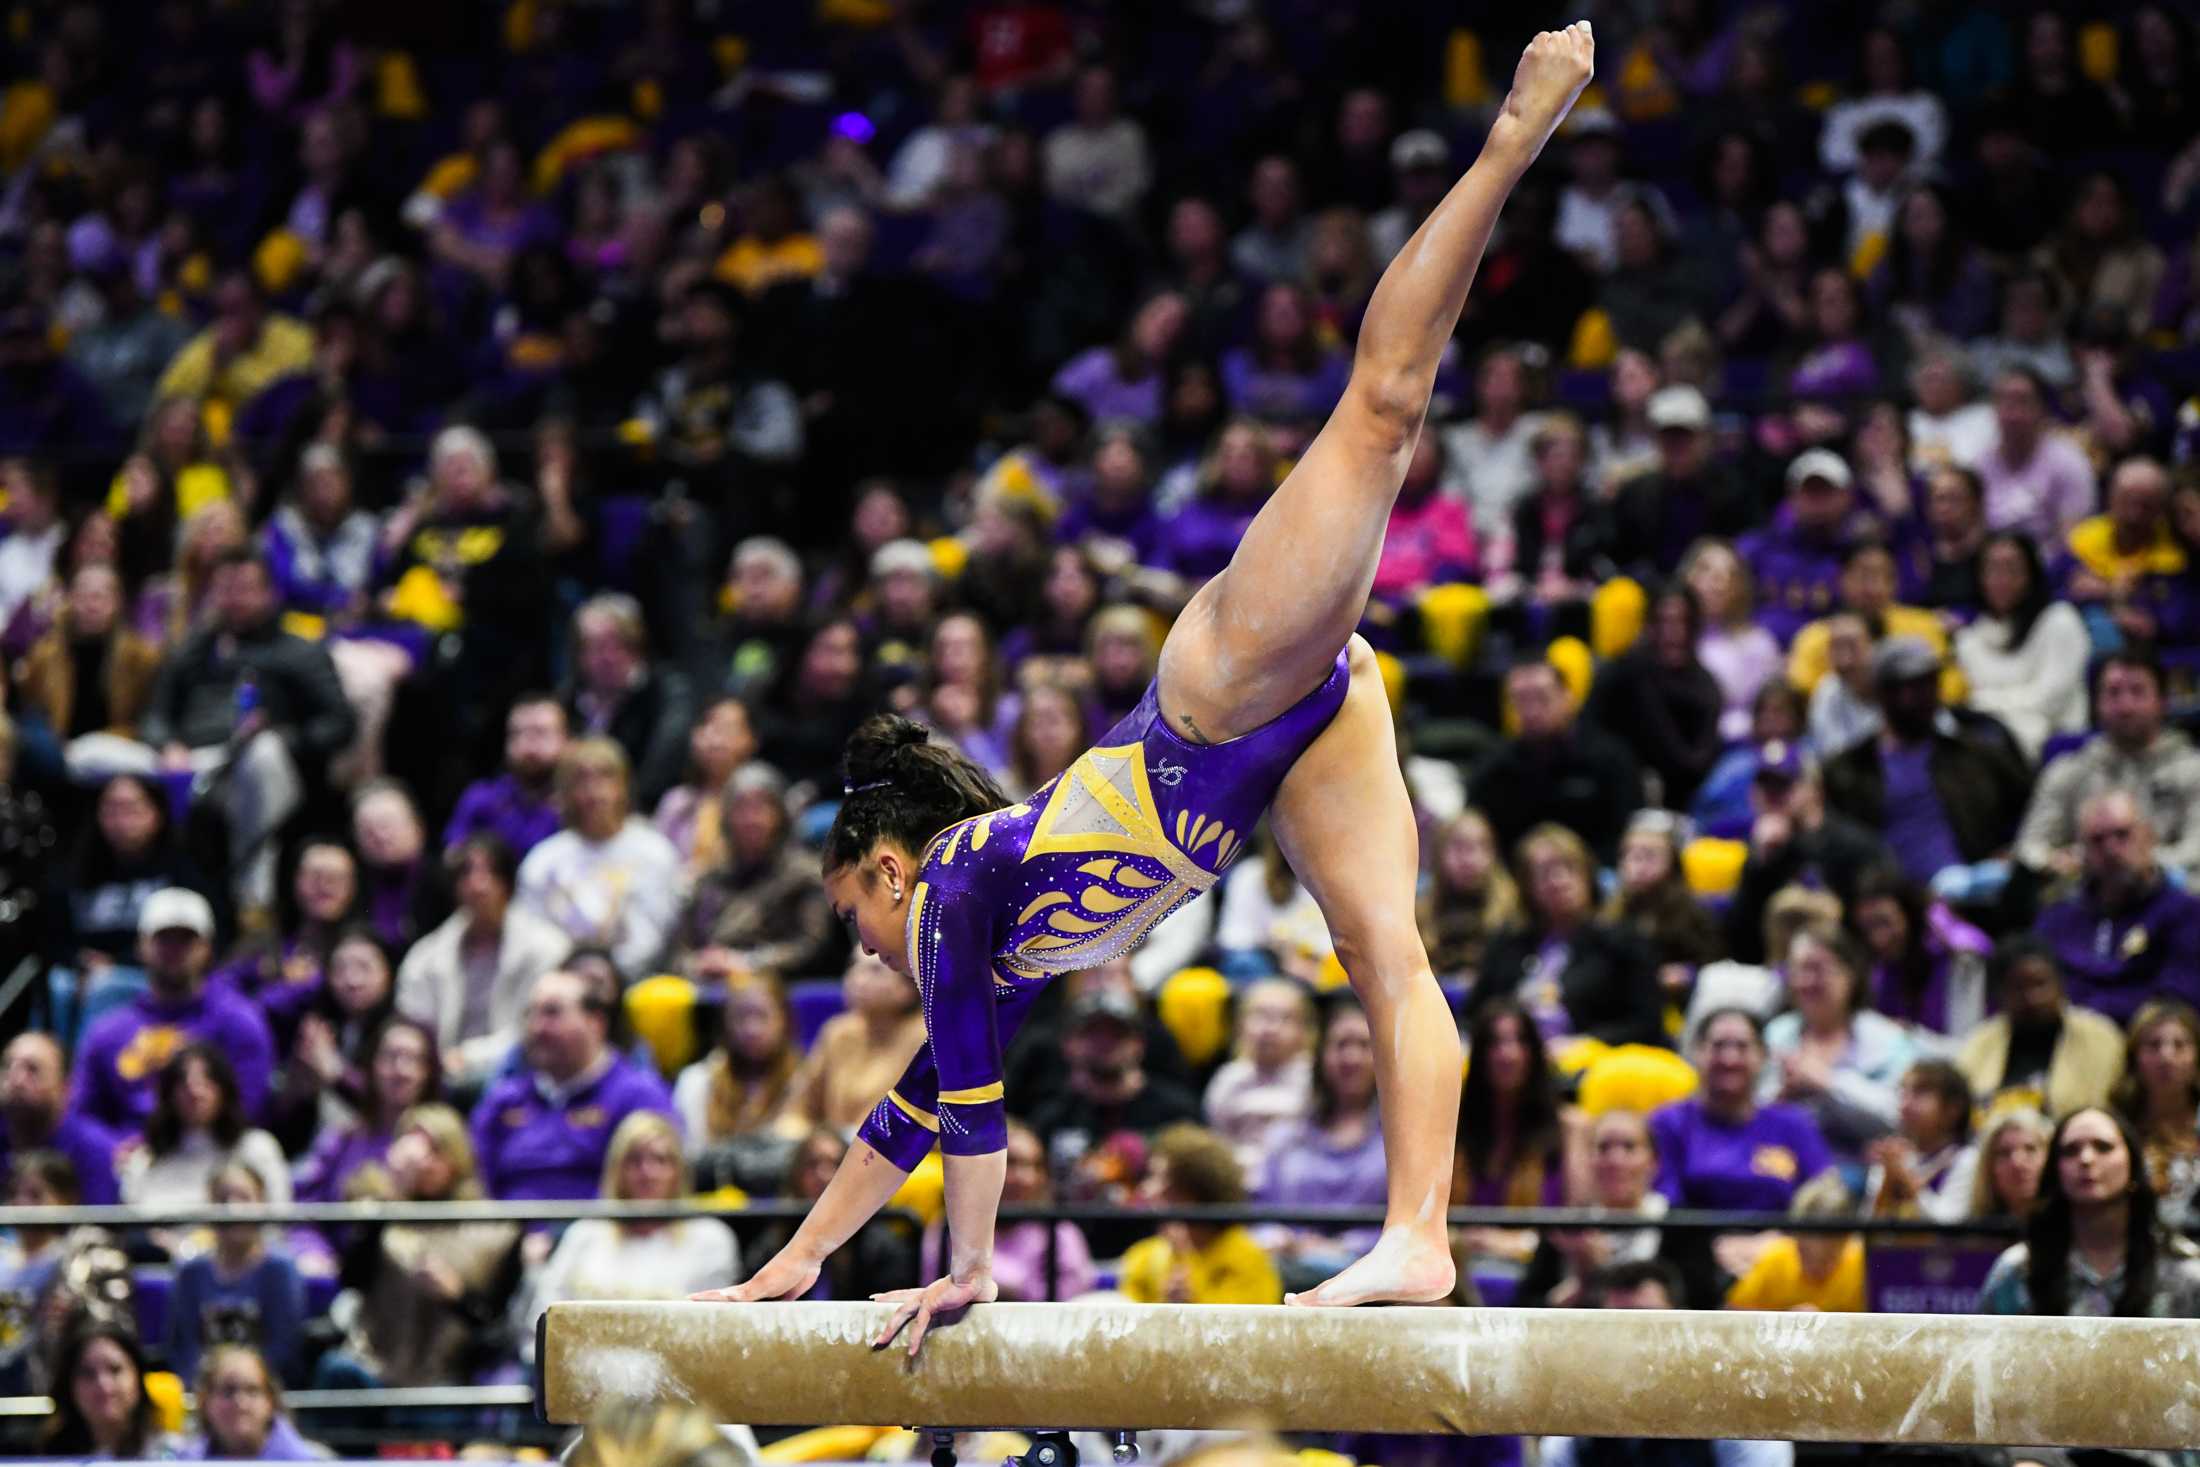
x=1104 y=804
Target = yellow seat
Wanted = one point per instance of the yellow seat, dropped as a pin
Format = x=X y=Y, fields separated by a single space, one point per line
x=164 y=1392
x=1393 y=673
x=661 y=1012
x=1574 y=1054
x=1635 y=1077
x=924 y=1190
x=2097 y=52
x=1712 y=866
x=1616 y=612
x=1595 y=343
x=1452 y=618
x=1195 y=1005
x=827 y=1444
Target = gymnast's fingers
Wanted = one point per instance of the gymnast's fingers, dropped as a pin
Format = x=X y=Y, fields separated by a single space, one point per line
x=916 y=1330
x=734 y=1294
x=904 y=1311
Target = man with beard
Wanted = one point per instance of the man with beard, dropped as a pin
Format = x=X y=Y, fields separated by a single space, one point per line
x=2126 y=935
x=35 y=1116
x=517 y=806
x=1943 y=794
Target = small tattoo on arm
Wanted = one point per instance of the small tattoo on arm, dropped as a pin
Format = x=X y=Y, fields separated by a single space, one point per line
x=1193 y=729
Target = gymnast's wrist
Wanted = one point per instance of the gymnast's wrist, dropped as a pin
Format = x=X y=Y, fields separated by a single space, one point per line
x=972 y=1275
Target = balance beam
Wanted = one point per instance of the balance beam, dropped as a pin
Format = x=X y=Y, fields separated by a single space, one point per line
x=1953 y=1379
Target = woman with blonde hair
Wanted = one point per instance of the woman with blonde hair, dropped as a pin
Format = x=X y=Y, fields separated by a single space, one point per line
x=424 y=1296
x=1468 y=897
x=2159 y=1095
x=1741 y=656
x=741 y=1087
x=2012 y=1155
x=241 y=1415
x=636 y=1258
x=1575 y=974
x=607 y=879
x=1124 y=650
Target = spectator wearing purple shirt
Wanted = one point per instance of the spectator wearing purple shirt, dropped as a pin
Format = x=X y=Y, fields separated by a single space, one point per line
x=1118 y=509
x=517 y=806
x=1197 y=541
x=35 y=1116
x=2125 y=935
x=1287 y=374
x=2036 y=479
x=1943 y=793
x=1796 y=560
x=1928 y=964
x=544 y=1132
x=123 y=1053
x=403 y=1070
x=1333 y=1158
x=1124 y=379
x=1721 y=1148
x=282 y=978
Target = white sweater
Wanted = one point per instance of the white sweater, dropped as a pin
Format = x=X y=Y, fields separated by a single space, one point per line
x=623 y=894
x=2037 y=689
x=597 y=1259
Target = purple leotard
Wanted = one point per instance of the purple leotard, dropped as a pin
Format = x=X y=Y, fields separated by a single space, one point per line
x=1072 y=878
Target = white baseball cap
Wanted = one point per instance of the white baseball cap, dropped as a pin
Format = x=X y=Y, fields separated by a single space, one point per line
x=1679 y=406
x=175 y=907
x=1820 y=463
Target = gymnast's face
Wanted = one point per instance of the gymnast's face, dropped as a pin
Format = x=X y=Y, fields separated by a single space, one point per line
x=872 y=898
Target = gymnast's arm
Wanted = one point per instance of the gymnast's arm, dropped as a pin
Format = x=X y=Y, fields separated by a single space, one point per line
x=864 y=1183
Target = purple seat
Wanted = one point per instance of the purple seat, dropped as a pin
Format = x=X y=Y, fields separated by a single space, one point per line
x=150 y=1286
x=814 y=1000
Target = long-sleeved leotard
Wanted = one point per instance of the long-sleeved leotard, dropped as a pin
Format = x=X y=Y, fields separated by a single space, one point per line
x=1072 y=878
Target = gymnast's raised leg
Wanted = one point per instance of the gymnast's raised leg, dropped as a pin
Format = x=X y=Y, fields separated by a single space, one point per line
x=1260 y=635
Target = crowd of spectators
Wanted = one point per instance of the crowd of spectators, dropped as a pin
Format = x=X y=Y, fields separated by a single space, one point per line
x=466 y=470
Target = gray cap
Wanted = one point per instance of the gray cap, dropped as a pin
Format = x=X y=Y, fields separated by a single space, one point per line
x=1820 y=463
x=1904 y=659
x=1421 y=148
x=1679 y=406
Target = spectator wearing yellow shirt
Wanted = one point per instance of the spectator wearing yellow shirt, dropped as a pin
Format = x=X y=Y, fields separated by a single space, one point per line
x=776 y=247
x=1814 y=1271
x=1192 y=1263
x=172 y=476
x=1867 y=589
x=243 y=349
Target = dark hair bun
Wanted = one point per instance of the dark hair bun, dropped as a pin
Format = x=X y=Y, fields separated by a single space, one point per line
x=873 y=747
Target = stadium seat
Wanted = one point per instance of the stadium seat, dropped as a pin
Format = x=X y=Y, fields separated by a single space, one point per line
x=1635 y=1077
x=661 y=1012
x=1195 y=1004
x=150 y=1286
x=813 y=1000
x=1713 y=867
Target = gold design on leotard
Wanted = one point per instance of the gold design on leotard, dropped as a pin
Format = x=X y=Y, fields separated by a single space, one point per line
x=954 y=839
x=1104 y=805
x=1039 y=904
x=924 y=1118
x=975 y=1095
x=1069 y=922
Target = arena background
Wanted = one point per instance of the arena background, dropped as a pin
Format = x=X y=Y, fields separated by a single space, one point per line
x=468 y=468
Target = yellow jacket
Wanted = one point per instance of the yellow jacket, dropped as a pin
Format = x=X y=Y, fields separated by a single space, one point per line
x=1810 y=658
x=285 y=346
x=1777 y=1281
x=1230 y=1269
x=2093 y=542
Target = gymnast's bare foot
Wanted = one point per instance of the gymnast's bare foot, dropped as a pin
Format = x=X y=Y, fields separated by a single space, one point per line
x=1552 y=72
x=1404 y=1267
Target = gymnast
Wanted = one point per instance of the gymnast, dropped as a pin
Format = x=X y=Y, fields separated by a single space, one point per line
x=1265 y=700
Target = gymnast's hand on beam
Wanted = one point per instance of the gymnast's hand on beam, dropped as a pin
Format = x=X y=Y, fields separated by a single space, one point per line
x=917 y=1308
x=787 y=1276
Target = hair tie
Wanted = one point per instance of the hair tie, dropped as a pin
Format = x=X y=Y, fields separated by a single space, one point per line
x=857 y=789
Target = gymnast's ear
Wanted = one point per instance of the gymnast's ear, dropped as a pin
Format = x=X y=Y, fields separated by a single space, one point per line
x=895 y=870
